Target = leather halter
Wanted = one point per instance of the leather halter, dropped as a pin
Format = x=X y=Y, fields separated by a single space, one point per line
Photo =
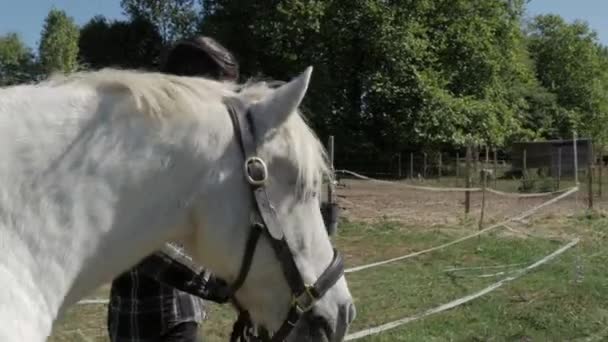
x=264 y=223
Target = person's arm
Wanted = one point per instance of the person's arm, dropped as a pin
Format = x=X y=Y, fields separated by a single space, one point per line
x=169 y=271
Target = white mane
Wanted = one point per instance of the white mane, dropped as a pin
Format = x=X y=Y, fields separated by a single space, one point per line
x=161 y=96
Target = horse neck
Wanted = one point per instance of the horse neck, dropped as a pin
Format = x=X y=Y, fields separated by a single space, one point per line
x=72 y=221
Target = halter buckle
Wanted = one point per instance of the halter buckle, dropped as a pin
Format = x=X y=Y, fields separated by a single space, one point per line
x=258 y=174
x=305 y=301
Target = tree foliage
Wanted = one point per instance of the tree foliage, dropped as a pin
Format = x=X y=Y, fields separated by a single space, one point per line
x=17 y=63
x=392 y=75
x=173 y=19
x=58 y=50
x=134 y=44
x=570 y=63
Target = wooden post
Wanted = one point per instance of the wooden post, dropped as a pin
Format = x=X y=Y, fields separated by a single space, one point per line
x=424 y=166
x=599 y=170
x=411 y=165
x=475 y=152
x=590 y=175
x=487 y=156
x=495 y=167
x=439 y=168
x=525 y=167
x=330 y=185
x=457 y=165
x=574 y=147
x=487 y=162
x=559 y=166
x=399 y=165
x=551 y=168
x=484 y=184
x=467 y=194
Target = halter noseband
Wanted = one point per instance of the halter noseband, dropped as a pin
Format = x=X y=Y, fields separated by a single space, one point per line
x=264 y=222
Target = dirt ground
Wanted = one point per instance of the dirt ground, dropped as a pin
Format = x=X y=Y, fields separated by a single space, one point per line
x=363 y=200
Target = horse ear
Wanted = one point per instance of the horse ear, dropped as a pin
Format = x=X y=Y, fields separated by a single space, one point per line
x=275 y=108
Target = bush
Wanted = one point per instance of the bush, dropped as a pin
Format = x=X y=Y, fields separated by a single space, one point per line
x=527 y=185
x=546 y=184
x=536 y=184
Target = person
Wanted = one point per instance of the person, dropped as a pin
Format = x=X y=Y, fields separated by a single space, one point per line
x=162 y=297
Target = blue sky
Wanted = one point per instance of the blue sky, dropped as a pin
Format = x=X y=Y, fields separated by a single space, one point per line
x=26 y=16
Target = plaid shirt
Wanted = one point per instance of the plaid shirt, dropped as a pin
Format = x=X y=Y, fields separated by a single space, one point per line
x=154 y=296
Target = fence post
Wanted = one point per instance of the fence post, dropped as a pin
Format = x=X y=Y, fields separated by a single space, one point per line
x=559 y=166
x=399 y=165
x=599 y=170
x=495 y=167
x=487 y=162
x=590 y=174
x=483 y=195
x=424 y=166
x=475 y=151
x=457 y=165
x=574 y=147
x=525 y=166
x=411 y=165
x=467 y=194
x=439 y=168
x=330 y=185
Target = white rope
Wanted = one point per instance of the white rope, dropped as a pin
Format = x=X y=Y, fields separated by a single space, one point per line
x=468 y=237
x=482 y=267
x=426 y=188
x=492 y=275
x=536 y=194
x=441 y=189
x=93 y=301
x=460 y=301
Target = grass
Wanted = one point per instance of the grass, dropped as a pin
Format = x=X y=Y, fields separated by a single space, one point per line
x=554 y=303
x=564 y=300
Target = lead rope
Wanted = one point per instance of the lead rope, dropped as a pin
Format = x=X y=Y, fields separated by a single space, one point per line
x=240 y=328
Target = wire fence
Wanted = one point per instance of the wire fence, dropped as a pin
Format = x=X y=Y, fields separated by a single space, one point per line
x=527 y=169
x=452 y=167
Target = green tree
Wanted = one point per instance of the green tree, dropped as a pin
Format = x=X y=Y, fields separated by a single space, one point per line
x=411 y=74
x=17 y=63
x=389 y=74
x=173 y=19
x=58 y=50
x=12 y=49
x=570 y=63
x=126 y=44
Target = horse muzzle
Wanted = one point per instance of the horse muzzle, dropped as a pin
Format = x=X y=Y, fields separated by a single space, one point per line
x=314 y=327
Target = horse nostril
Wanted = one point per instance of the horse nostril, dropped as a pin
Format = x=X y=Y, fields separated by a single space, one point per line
x=352 y=313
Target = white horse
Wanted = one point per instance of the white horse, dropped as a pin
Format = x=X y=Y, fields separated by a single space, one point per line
x=100 y=169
